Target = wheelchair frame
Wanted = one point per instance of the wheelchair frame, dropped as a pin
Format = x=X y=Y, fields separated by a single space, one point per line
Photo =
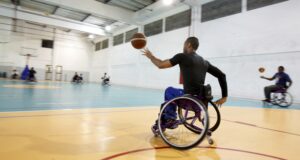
x=205 y=132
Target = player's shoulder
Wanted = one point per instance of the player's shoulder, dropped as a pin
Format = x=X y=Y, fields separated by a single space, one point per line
x=286 y=74
x=180 y=54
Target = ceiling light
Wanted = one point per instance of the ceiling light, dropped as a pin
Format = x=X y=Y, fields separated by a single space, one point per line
x=168 y=2
x=91 y=36
x=108 y=28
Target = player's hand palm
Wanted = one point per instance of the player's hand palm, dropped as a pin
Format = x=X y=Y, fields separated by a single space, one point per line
x=221 y=101
x=146 y=52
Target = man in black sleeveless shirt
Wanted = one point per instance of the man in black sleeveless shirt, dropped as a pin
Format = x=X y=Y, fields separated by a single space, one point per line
x=193 y=68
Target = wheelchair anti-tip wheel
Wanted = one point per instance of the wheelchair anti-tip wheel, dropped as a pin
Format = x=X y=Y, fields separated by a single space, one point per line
x=179 y=133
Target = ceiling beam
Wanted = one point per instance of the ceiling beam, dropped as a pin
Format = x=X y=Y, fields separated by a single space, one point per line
x=15 y=2
x=106 y=1
x=86 y=17
x=96 y=8
x=195 y=3
x=54 y=11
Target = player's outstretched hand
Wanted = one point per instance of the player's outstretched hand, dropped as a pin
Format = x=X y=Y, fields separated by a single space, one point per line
x=146 y=52
x=221 y=101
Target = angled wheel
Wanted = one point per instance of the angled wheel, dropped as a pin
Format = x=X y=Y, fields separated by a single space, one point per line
x=214 y=117
x=178 y=134
x=284 y=99
x=275 y=98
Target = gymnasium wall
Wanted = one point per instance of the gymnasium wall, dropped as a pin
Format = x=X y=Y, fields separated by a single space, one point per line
x=241 y=43
x=71 y=50
x=238 y=44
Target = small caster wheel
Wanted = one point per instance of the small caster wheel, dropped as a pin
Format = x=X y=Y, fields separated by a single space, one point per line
x=155 y=135
x=209 y=133
x=210 y=141
x=155 y=131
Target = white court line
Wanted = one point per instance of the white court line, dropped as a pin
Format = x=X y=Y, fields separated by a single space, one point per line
x=85 y=108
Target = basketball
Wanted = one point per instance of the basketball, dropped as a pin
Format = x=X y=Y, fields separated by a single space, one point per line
x=138 y=41
x=261 y=69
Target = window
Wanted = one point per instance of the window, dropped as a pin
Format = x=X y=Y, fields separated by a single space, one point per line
x=218 y=9
x=129 y=34
x=47 y=43
x=118 y=39
x=98 y=46
x=153 y=28
x=254 y=4
x=178 y=20
x=105 y=44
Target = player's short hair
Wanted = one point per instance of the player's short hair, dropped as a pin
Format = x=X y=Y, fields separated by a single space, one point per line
x=281 y=67
x=194 y=42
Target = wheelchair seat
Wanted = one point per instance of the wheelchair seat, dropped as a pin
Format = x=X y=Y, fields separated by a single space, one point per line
x=281 y=90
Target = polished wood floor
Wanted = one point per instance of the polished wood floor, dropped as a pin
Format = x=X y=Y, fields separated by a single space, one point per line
x=124 y=133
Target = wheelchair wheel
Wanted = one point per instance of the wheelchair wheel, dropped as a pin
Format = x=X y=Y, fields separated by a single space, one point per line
x=274 y=98
x=214 y=118
x=283 y=99
x=178 y=133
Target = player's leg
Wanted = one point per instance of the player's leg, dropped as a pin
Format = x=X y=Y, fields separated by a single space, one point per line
x=170 y=113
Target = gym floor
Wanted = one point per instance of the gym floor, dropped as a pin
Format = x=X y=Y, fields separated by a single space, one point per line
x=52 y=121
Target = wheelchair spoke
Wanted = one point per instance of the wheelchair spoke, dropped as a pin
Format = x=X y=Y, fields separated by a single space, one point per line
x=194 y=120
x=186 y=113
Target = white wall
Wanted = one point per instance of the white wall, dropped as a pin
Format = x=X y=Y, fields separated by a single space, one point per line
x=265 y=37
x=127 y=66
x=71 y=50
x=237 y=44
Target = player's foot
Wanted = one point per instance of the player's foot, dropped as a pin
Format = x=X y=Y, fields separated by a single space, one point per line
x=267 y=100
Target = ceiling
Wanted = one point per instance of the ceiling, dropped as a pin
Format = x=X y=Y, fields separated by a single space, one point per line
x=90 y=16
x=133 y=5
x=62 y=12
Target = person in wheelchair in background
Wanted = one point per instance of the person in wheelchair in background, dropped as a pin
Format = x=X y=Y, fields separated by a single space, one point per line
x=31 y=76
x=283 y=83
x=193 y=68
x=105 y=79
x=77 y=78
x=15 y=74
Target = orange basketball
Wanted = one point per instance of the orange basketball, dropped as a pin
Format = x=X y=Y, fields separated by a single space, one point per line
x=138 y=41
x=261 y=69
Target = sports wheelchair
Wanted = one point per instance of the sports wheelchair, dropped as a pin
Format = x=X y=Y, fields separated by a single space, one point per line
x=193 y=122
x=281 y=98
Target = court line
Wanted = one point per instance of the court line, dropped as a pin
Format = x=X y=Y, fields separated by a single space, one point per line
x=256 y=126
x=142 y=109
x=69 y=114
x=217 y=148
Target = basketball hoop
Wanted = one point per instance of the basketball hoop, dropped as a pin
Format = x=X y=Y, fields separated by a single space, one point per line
x=28 y=52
